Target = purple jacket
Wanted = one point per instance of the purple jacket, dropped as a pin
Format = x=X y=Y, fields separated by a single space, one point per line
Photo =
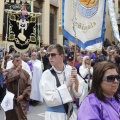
x=94 y=109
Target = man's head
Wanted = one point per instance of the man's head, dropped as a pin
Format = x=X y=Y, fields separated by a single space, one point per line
x=12 y=51
x=16 y=60
x=34 y=55
x=25 y=57
x=111 y=52
x=99 y=52
x=117 y=53
x=58 y=47
x=55 y=54
x=79 y=59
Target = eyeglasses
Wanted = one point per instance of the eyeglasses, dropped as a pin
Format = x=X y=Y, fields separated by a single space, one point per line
x=111 y=78
x=52 y=54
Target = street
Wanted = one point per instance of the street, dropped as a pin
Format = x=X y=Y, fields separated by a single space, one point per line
x=34 y=113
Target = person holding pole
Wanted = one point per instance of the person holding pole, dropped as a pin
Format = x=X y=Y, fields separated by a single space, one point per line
x=18 y=83
x=55 y=86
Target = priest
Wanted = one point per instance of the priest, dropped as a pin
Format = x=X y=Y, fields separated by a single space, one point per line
x=35 y=95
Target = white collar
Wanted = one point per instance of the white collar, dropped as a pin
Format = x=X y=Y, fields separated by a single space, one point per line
x=58 y=71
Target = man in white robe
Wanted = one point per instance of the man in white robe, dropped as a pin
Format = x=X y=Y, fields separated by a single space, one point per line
x=36 y=75
x=55 y=96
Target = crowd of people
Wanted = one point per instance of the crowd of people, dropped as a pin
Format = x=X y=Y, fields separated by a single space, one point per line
x=62 y=75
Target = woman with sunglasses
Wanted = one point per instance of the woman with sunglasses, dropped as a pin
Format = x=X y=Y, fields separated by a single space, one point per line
x=103 y=101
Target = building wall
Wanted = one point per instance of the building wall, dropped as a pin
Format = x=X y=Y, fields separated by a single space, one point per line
x=49 y=7
x=108 y=26
x=45 y=21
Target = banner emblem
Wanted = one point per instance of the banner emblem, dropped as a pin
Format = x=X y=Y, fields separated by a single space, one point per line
x=88 y=8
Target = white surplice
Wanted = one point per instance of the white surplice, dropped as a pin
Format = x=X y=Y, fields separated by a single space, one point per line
x=36 y=76
x=24 y=67
x=54 y=96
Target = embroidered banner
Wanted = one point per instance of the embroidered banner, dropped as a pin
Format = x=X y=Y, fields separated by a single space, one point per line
x=113 y=19
x=84 y=19
x=20 y=33
x=15 y=7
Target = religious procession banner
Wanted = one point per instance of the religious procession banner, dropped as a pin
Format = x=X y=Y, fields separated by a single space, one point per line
x=85 y=20
x=22 y=33
x=113 y=19
x=15 y=7
x=21 y=38
x=21 y=28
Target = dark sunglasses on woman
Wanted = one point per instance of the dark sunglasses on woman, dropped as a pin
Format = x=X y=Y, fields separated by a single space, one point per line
x=111 y=78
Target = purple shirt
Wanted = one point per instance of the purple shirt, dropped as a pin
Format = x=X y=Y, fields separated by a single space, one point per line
x=94 y=109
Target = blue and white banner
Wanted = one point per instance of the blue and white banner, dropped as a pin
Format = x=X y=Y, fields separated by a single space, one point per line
x=113 y=19
x=84 y=19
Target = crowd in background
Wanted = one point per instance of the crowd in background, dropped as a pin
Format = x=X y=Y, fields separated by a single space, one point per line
x=83 y=59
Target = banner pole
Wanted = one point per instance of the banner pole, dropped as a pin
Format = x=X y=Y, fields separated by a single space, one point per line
x=75 y=43
x=2 y=66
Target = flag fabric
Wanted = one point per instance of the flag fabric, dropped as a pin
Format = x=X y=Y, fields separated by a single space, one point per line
x=85 y=20
x=113 y=19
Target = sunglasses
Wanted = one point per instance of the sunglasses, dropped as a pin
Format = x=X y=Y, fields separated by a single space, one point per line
x=51 y=54
x=111 y=78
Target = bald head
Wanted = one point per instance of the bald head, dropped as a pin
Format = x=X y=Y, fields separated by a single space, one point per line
x=34 y=55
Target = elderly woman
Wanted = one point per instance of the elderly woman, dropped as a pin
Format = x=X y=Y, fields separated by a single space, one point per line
x=85 y=67
x=103 y=102
x=85 y=71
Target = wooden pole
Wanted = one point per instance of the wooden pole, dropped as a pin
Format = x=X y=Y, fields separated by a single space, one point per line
x=2 y=66
x=89 y=73
x=75 y=43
